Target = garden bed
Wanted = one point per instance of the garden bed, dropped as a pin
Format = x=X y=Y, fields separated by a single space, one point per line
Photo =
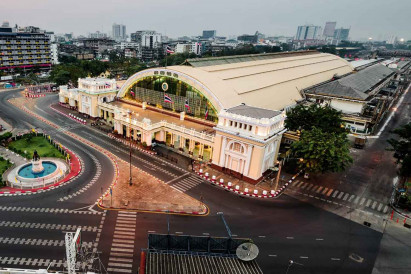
x=26 y=144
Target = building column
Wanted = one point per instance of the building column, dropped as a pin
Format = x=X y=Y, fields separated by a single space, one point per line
x=222 y=152
x=160 y=136
x=182 y=143
x=211 y=153
x=191 y=146
x=135 y=135
x=201 y=151
x=146 y=137
x=248 y=160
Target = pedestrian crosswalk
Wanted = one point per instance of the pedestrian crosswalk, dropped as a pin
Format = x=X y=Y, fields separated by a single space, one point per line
x=122 y=247
x=62 y=227
x=187 y=183
x=336 y=196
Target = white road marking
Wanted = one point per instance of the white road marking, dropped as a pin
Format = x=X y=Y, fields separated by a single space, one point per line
x=335 y=193
x=319 y=239
x=335 y=259
x=346 y=196
x=290 y=238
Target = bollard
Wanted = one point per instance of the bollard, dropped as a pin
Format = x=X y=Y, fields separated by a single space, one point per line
x=272 y=192
x=264 y=192
x=221 y=181
x=397 y=220
x=206 y=175
x=229 y=184
x=392 y=214
x=201 y=171
x=246 y=190
x=255 y=191
x=213 y=178
x=237 y=187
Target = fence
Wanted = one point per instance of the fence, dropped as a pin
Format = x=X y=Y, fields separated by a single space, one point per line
x=195 y=243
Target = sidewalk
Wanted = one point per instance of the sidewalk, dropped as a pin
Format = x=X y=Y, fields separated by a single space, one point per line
x=12 y=157
x=395 y=249
x=148 y=193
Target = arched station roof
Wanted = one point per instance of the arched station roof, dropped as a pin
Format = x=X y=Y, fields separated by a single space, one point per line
x=271 y=81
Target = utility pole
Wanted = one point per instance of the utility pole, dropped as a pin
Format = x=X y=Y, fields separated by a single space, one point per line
x=225 y=224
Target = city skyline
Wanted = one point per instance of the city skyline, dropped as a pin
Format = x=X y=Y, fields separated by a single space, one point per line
x=264 y=17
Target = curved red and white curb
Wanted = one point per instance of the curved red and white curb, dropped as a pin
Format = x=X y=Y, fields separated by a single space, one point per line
x=71 y=116
x=111 y=136
x=29 y=95
x=246 y=192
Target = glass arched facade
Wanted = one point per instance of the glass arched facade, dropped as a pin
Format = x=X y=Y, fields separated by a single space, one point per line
x=158 y=90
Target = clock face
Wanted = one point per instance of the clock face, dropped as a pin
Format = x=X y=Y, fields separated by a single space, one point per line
x=164 y=86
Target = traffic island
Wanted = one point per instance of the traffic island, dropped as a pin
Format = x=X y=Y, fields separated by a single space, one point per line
x=59 y=167
x=148 y=194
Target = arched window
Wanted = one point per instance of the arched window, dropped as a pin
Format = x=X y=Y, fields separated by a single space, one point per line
x=237 y=147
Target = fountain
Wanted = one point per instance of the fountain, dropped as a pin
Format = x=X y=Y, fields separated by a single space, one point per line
x=37 y=166
x=38 y=172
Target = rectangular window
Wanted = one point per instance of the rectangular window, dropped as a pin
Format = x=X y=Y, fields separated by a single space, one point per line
x=235 y=124
x=241 y=125
x=249 y=127
x=231 y=123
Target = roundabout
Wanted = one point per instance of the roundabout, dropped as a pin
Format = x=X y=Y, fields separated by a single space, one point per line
x=38 y=173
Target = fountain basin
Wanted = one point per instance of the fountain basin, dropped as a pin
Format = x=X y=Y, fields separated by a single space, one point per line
x=23 y=176
x=27 y=172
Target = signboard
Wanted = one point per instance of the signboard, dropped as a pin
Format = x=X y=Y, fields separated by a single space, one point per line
x=164 y=86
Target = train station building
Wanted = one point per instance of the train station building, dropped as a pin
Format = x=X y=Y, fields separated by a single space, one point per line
x=229 y=111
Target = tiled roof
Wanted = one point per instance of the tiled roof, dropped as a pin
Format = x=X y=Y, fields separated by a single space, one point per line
x=367 y=78
x=355 y=86
x=336 y=89
x=253 y=112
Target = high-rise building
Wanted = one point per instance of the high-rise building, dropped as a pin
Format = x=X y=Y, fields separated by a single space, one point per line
x=150 y=44
x=25 y=48
x=341 y=34
x=329 y=29
x=207 y=34
x=308 y=32
x=118 y=32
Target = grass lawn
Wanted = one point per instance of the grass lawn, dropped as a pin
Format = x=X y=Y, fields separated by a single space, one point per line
x=31 y=143
x=4 y=165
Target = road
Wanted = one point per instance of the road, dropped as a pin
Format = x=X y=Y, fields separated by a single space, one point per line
x=367 y=185
x=284 y=229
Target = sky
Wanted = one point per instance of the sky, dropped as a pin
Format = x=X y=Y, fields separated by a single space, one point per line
x=378 y=19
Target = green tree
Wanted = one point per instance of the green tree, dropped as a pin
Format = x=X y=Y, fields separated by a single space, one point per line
x=402 y=148
x=326 y=119
x=322 y=151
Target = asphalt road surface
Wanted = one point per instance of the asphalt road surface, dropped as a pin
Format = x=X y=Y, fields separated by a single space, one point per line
x=31 y=227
